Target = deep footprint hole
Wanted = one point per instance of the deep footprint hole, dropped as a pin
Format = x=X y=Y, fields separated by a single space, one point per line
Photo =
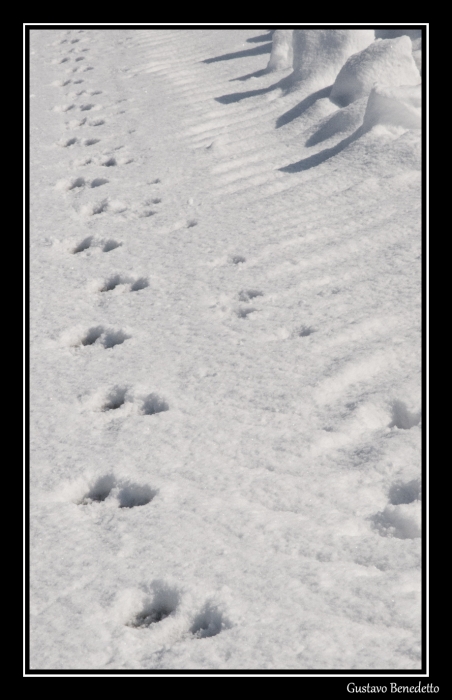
x=113 y=338
x=305 y=331
x=100 y=491
x=99 y=181
x=402 y=418
x=154 y=404
x=164 y=603
x=84 y=245
x=236 y=259
x=92 y=335
x=111 y=244
x=133 y=495
x=408 y=492
x=115 y=399
x=141 y=283
x=109 y=163
x=208 y=623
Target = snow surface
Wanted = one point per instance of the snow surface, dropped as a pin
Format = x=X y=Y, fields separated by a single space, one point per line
x=282 y=50
x=225 y=356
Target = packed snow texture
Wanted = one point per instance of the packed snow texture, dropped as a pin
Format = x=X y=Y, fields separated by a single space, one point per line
x=319 y=54
x=386 y=62
x=282 y=50
x=225 y=337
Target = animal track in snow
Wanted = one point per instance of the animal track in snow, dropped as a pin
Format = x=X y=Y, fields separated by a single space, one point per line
x=83 y=245
x=127 y=494
x=304 y=331
x=402 y=418
x=65 y=143
x=248 y=294
x=117 y=280
x=245 y=311
x=405 y=492
x=156 y=201
x=87 y=107
x=115 y=398
x=191 y=223
x=154 y=404
x=236 y=259
x=209 y=622
x=119 y=395
x=111 y=244
x=162 y=605
x=96 y=122
x=90 y=142
x=80 y=58
x=63 y=108
x=106 y=337
x=109 y=162
x=98 y=182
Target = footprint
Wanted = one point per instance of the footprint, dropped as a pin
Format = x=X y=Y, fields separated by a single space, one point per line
x=96 y=122
x=90 y=142
x=87 y=107
x=96 y=92
x=128 y=495
x=65 y=60
x=156 y=201
x=77 y=82
x=116 y=280
x=65 y=143
x=83 y=245
x=163 y=604
x=248 y=294
x=236 y=259
x=115 y=399
x=154 y=404
x=191 y=223
x=80 y=58
x=245 y=311
x=88 y=68
x=111 y=244
x=98 y=182
x=100 y=490
x=405 y=492
x=109 y=163
x=304 y=331
x=108 y=338
x=139 y=284
x=402 y=418
x=209 y=622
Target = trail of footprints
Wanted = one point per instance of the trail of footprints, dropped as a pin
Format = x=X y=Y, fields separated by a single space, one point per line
x=165 y=601
x=108 y=490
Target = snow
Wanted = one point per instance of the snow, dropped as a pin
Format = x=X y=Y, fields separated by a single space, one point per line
x=319 y=54
x=225 y=334
x=386 y=62
x=282 y=50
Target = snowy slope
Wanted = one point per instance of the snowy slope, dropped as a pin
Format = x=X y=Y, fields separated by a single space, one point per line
x=225 y=358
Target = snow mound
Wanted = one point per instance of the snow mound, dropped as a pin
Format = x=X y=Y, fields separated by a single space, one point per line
x=319 y=54
x=282 y=50
x=394 y=106
x=386 y=62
